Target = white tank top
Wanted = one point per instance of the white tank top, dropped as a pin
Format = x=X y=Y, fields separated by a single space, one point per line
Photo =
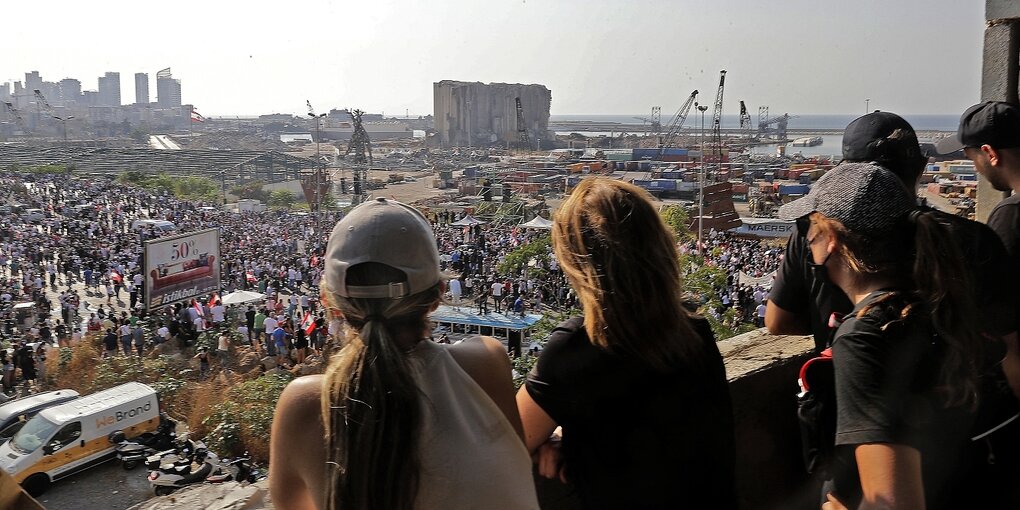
x=471 y=457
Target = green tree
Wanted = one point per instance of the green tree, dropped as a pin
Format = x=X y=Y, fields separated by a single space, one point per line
x=252 y=190
x=676 y=218
x=516 y=260
x=282 y=198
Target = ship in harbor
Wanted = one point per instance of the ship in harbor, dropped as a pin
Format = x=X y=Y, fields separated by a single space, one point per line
x=807 y=141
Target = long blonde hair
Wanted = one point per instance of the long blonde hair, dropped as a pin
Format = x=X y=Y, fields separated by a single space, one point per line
x=370 y=401
x=622 y=261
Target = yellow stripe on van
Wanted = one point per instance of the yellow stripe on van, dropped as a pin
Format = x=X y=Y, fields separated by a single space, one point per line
x=74 y=452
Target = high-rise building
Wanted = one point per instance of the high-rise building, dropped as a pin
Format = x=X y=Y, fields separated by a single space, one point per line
x=168 y=90
x=5 y=91
x=109 y=89
x=33 y=80
x=70 y=90
x=141 y=88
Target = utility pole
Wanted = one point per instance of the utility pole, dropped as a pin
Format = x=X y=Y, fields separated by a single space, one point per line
x=701 y=181
x=63 y=121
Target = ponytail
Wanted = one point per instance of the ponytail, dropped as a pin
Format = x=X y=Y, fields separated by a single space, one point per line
x=946 y=286
x=371 y=404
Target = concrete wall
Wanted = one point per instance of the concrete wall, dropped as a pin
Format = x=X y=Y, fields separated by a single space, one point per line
x=762 y=370
x=999 y=76
x=488 y=112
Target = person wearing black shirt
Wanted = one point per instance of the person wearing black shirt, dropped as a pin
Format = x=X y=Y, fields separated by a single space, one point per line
x=636 y=384
x=907 y=357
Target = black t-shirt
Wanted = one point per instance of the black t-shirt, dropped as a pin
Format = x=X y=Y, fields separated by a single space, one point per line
x=634 y=438
x=796 y=290
x=1005 y=221
x=885 y=382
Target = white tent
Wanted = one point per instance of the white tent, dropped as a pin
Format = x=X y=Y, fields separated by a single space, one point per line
x=467 y=221
x=538 y=222
x=242 y=296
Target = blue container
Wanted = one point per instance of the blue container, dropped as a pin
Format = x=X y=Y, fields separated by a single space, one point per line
x=794 y=189
x=471 y=172
x=643 y=183
x=646 y=165
x=663 y=184
x=573 y=180
x=805 y=179
x=967 y=177
x=652 y=154
x=768 y=177
x=673 y=151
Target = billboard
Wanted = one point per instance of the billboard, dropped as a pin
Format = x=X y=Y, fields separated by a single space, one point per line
x=181 y=267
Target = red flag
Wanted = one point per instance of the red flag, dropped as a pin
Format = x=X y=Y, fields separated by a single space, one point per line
x=214 y=298
x=198 y=308
x=196 y=117
x=308 y=323
x=250 y=277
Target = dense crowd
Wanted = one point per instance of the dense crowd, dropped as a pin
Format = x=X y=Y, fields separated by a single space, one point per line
x=83 y=256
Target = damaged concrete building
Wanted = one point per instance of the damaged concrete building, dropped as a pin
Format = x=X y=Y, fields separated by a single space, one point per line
x=480 y=114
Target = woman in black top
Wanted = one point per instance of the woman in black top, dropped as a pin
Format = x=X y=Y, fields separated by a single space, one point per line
x=637 y=384
x=907 y=356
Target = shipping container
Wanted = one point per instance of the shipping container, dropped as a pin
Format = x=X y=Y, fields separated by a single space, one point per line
x=793 y=189
x=676 y=158
x=768 y=177
x=471 y=172
x=639 y=154
x=663 y=184
x=740 y=187
x=782 y=173
x=645 y=166
x=686 y=186
x=805 y=179
x=674 y=151
x=740 y=197
x=646 y=184
x=633 y=166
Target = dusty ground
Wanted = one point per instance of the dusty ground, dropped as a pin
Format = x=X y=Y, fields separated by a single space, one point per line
x=105 y=487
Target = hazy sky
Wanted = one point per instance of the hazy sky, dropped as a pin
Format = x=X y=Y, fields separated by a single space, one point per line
x=597 y=56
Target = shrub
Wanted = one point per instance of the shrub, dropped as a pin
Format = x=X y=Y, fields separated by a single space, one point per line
x=244 y=419
x=516 y=260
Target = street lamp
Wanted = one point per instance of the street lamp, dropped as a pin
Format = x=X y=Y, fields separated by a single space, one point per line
x=701 y=178
x=866 y=107
x=63 y=121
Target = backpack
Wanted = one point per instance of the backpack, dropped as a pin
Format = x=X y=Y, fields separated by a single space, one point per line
x=816 y=411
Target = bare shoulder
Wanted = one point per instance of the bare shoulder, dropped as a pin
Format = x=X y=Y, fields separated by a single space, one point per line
x=301 y=397
x=296 y=474
x=479 y=353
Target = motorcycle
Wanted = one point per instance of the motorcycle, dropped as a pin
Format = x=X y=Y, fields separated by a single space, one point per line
x=182 y=452
x=240 y=469
x=164 y=482
x=135 y=452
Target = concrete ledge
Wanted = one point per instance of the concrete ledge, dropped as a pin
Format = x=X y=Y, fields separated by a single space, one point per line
x=1001 y=9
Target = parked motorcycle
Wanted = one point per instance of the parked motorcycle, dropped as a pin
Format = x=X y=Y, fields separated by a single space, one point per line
x=240 y=469
x=135 y=452
x=164 y=482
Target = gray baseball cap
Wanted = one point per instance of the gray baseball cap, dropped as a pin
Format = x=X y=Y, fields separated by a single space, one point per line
x=386 y=232
x=866 y=198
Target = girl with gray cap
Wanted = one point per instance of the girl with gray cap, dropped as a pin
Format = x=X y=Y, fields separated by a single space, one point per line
x=406 y=423
x=907 y=357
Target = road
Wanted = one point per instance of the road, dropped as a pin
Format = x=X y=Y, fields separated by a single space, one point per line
x=163 y=142
x=105 y=487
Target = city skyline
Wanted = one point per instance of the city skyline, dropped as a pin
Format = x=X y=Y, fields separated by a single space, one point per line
x=597 y=57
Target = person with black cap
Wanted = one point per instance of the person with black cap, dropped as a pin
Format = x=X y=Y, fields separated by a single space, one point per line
x=989 y=135
x=907 y=356
x=801 y=303
x=398 y=421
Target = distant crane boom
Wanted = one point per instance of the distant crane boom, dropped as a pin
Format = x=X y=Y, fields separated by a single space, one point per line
x=17 y=116
x=522 y=127
x=673 y=132
x=745 y=120
x=717 y=119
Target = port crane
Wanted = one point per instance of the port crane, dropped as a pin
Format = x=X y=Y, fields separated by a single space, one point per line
x=774 y=127
x=655 y=120
x=670 y=138
x=717 y=119
x=17 y=116
x=745 y=121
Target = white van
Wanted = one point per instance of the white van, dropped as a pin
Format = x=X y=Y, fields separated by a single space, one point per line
x=72 y=437
x=161 y=225
x=15 y=413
